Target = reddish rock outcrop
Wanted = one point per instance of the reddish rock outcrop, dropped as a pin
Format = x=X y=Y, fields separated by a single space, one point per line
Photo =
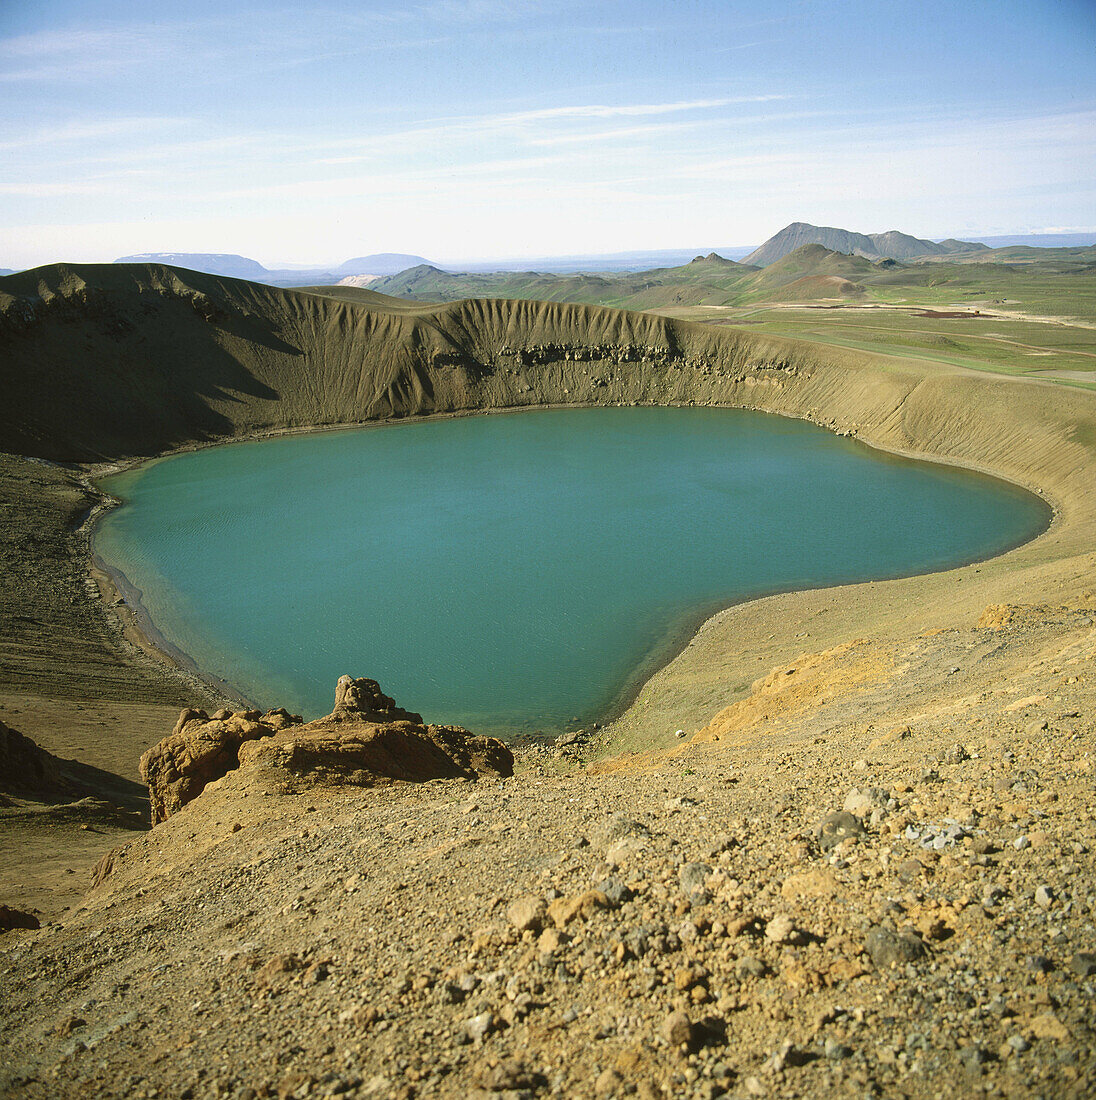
x=199 y=750
x=365 y=741
x=362 y=698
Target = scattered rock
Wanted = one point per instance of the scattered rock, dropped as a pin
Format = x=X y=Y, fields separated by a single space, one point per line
x=749 y=967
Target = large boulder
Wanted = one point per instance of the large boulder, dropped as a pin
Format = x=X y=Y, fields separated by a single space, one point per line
x=365 y=741
x=199 y=750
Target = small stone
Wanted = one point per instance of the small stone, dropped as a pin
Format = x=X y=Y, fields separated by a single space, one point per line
x=1083 y=964
x=910 y=870
x=69 y=1024
x=550 y=941
x=692 y=877
x=722 y=844
x=615 y=891
x=1039 y=964
x=835 y=1050
x=749 y=967
x=781 y=929
x=608 y=1082
x=1044 y=897
x=679 y=802
x=862 y=802
x=973 y=1058
x=687 y=977
x=477 y=1027
x=677 y=1028
x=888 y=948
x=564 y=910
x=527 y=913
x=834 y=828
x=1047 y=1026
x=1018 y=1044
x=510 y=1073
x=1021 y=842
x=620 y=851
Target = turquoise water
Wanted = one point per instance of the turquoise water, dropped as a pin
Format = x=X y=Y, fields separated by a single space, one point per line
x=517 y=572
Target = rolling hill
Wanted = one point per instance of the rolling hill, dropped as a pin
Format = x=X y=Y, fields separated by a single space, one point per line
x=706 y=280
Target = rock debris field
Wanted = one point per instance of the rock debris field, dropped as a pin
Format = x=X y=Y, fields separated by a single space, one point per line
x=833 y=905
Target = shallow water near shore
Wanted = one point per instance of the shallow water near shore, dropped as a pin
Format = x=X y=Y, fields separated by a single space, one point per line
x=519 y=573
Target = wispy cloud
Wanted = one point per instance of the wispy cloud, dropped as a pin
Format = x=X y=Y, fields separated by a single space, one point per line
x=631 y=110
x=81 y=132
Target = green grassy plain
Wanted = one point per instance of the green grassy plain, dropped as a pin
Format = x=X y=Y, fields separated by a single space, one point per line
x=1028 y=312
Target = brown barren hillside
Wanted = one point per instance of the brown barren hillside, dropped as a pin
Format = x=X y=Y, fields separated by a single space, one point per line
x=864 y=867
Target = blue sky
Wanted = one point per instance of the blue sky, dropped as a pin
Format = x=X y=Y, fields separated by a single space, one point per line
x=466 y=129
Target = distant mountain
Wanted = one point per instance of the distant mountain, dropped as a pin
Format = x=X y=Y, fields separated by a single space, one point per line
x=1043 y=240
x=713 y=260
x=212 y=263
x=599 y=263
x=7 y=271
x=382 y=263
x=874 y=246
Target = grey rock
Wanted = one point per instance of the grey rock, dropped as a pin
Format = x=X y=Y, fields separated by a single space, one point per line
x=618 y=827
x=749 y=967
x=692 y=877
x=888 y=948
x=1083 y=964
x=834 y=828
x=615 y=891
x=973 y=1058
